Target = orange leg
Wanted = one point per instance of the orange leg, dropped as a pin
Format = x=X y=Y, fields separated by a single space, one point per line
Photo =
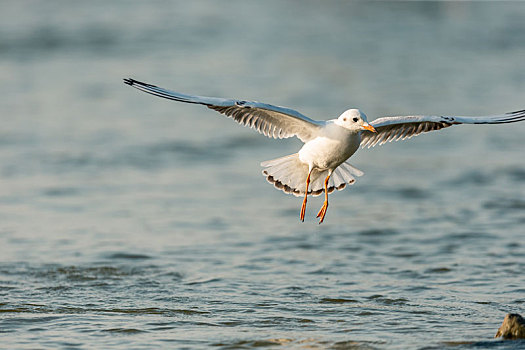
x=303 y=207
x=322 y=212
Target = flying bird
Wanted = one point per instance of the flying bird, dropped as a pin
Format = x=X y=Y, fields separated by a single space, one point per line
x=321 y=164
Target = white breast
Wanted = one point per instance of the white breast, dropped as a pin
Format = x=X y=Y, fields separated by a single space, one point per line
x=331 y=148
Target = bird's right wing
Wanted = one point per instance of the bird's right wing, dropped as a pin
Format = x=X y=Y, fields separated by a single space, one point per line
x=269 y=120
x=404 y=127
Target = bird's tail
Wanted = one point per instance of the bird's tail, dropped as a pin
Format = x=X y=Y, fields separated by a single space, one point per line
x=289 y=174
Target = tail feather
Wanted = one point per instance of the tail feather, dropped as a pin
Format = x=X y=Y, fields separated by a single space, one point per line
x=289 y=174
x=350 y=170
x=337 y=180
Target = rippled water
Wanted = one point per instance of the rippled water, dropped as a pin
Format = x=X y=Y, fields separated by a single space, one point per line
x=131 y=222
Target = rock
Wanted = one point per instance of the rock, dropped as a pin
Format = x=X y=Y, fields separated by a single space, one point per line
x=513 y=327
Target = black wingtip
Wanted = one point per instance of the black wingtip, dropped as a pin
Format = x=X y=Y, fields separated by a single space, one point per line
x=131 y=82
x=521 y=112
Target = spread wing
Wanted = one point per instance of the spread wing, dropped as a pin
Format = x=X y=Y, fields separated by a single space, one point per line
x=271 y=121
x=401 y=128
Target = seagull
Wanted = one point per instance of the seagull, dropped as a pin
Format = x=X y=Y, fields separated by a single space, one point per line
x=321 y=165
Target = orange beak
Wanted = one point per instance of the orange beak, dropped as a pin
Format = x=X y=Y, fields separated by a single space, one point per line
x=369 y=127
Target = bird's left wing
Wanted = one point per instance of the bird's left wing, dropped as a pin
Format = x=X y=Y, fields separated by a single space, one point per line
x=269 y=120
x=401 y=128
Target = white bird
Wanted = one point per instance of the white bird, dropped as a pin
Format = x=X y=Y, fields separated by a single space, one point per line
x=320 y=165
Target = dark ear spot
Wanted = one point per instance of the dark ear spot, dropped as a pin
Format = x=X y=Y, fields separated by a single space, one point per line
x=344 y=119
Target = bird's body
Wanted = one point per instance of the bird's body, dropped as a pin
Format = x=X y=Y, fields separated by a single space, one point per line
x=334 y=145
x=321 y=164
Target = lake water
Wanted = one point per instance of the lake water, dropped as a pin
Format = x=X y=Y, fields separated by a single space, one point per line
x=127 y=221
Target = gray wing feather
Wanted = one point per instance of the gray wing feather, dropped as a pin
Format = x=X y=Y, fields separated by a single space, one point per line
x=269 y=120
x=401 y=128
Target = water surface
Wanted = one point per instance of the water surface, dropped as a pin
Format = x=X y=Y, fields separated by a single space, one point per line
x=127 y=221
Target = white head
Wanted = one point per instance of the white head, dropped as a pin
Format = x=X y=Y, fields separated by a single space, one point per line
x=355 y=120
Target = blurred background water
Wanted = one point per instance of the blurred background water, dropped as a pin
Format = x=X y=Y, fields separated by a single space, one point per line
x=127 y=221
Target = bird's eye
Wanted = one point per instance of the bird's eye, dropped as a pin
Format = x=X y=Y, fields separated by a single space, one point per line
x=355 y=119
